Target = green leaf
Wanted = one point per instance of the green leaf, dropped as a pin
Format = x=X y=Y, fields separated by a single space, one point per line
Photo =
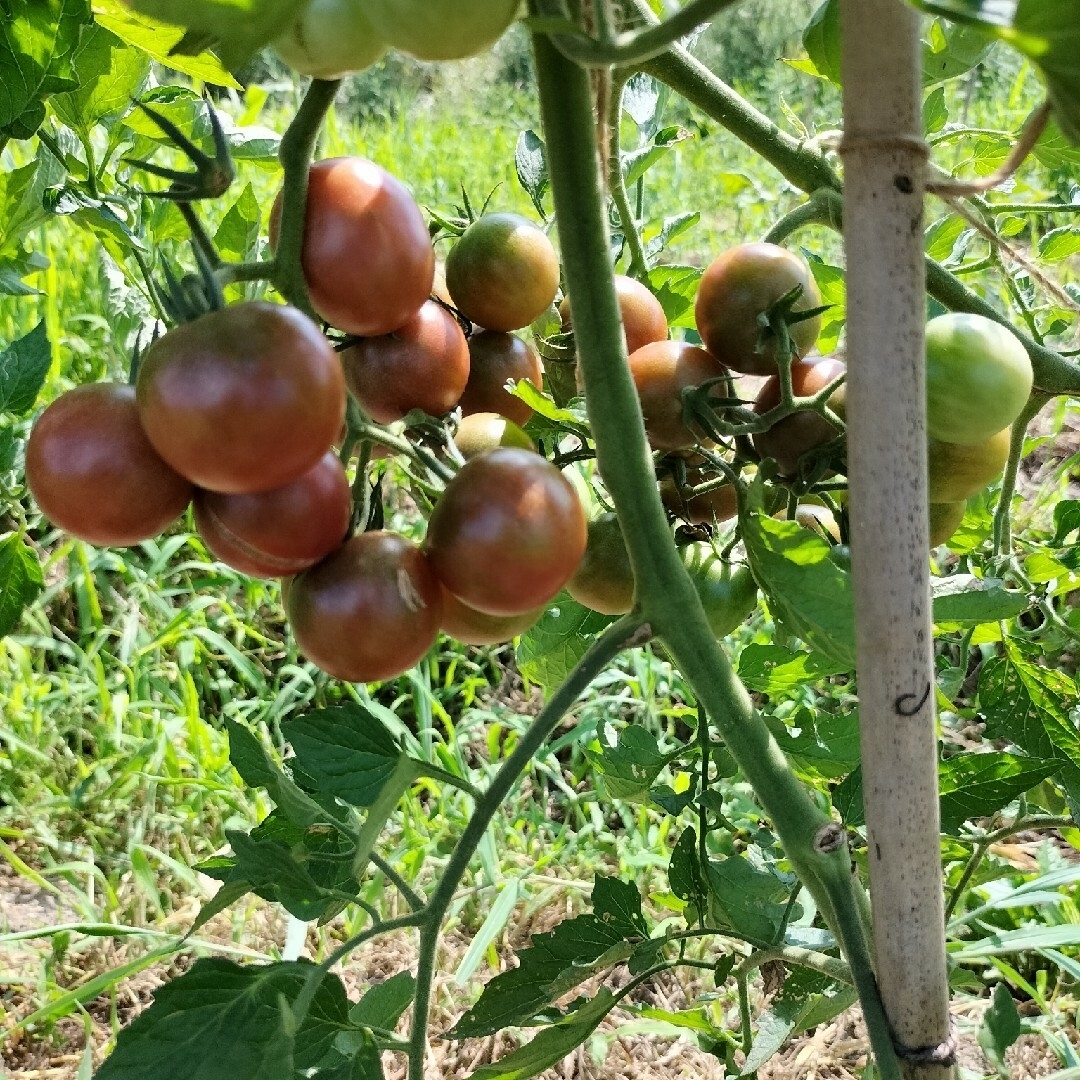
x=966 y=600
x=847 y=797
x=346 y=750
x=530 y=161
x=935 y=111
x=618 y=903
x=1000 y=1028
x=270 y=869
x=1066 y=520
x=385 y=1003
x=631 y=766
x=676 y=287
x=750 y=901
x=1059 y=244
x=363 y=1063
x=548 y=652
x=553 y=1043
x=831 y=285
x=772 y=669
x=234 y=29
x=158 y=40
x=670 y=229
x=806 y=589
x=237 y=236
x=821 y=40
x=637 y=162
x=258 y=769
x=822 y=745
x=978 y=785
x=24 y=364
x=110 y=75
x=8 y=449
x=684 y=869
x=1007 y=942
x=219 y=1021
x=951 y=52
x=38 y=39
x=20 y=580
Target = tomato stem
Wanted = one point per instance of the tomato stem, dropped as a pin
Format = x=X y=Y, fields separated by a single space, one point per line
x=639 y=262
x=1003 y=513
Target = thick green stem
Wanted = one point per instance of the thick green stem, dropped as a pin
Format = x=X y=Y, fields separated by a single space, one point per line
x=814 y=845
x=818 y=210
x=617 y=637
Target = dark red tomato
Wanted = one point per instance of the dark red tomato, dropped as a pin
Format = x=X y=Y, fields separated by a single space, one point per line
x=604 y=579
x=245 y=399
x=424 y=365
x=279 y=532
x=643 y=317
x=368 y=611
x=737 y=288
x=945 y=519
x=958 y=472
x=494 y=359
x=479 y=432
x=790 y=438
x=661 y=371
x=503 y=272
x=367 y=254
x=472 y=627
x=712 y=506
x=507 y=532
x=93 y=472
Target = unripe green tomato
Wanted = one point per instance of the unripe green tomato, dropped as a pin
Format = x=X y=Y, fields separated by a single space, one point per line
x=978 y=378
x=945 y=519
x=728 y=593
x=442 y=29
x=957 y=471
x=604 y=580
x=329 y=39
x=479 y=432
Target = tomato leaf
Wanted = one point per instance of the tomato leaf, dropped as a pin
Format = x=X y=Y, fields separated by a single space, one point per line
x=548 y=651
x=1000 y=1028
x=750 y=901
x=530 y=160
x=675 y=287
x=24 y=364
x=966 y=600
x=772 y=669
x=220 y=1021
x=978 y=785
x=383 y=1005
x=20 y=580
x=631 y=766
x=821 y=745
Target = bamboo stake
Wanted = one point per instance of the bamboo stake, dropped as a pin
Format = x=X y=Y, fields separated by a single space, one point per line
x=885 y=161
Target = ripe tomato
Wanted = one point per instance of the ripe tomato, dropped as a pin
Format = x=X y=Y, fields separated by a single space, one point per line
x=503 y=272
x=279 y=532
x=479 y=432
x=643 y=317
x=241 y=400
x=367 y=254
x=978 y=378
x=728 y=593
x=494 y=359
x=604 y=580
x=718 y=504
x=795 y=435
x=959 y=471
x=93 y=472
x=507 y=532
x=368 y=611
x=661 y=371
x=945 y=519
x=442 y=29
x=472 y=627
x=737 y=288
x=423 y=365
x=329 y=39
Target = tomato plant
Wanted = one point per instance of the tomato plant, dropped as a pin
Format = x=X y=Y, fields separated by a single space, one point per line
x=643 y=317
x=244 y=399
x=604 y=579
x=507 y=532
x=367 y=254
x=482 y=431
x=442 y=29
x=282 y=531
x=422 y=365
x=494 y=360
x=737 y=288
x=93 y=472
x=369 y=610
x=503 y=272
x=661 y=372
x=978 y=378
x=958 y=471
x=472 y=627
x=329 y=39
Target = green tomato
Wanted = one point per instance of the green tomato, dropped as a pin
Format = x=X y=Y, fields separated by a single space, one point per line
x=604 y=579
x=442 y=29
x=958 y=471
x=978 y=378
x=945 y=519
x=329 y=39
x=728 y=593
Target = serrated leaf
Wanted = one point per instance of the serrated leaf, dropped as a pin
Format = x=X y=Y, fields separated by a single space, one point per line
x=967 y=600
x=1001 y=1026
x=20 y=580
x=751 y=902
x=346 y=750
x=935 y=111
x=831 y=284
x=618 y=903
x=548 y=652
x=1059 y=244
x=821 y=40
x=530 y=161
x=685 y=878
x=552 y=1044
x=237 y=236
x=220 y=1021
x=671 y=228
x=631 y=766
x=951 y=52
x=676 y=287
x=24 y=364
x=383 y=1005
x=978 y=785
x=847 y=798
x=822 y=745
x=363 y=1062
x=772 y=669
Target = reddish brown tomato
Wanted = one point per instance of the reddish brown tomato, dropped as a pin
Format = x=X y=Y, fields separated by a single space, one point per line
x=479 y=432
x=367 y=254
x=715 y=505
x=661 y=371
x=958 y=472
x=790 y=438
x=282 y=531
x=507 y=532
x=738 y=287
x=604 y=579
x=494 y=359
x=424 y=365
x=93 y=472
x=472 y=627
x=643 y=317
x=503 y=272
x=241 y=400
x=368 y=611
